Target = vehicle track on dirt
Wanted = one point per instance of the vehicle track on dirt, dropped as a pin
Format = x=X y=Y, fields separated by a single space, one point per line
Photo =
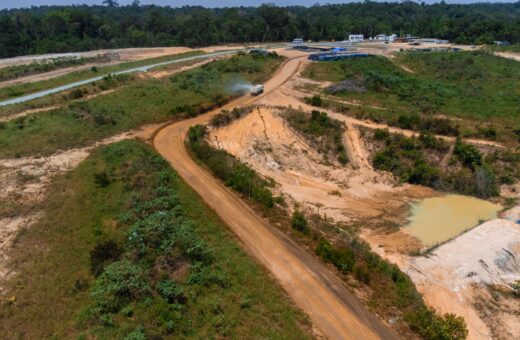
x=336 y=312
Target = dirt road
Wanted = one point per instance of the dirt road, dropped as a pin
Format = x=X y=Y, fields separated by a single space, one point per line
x=333 y=309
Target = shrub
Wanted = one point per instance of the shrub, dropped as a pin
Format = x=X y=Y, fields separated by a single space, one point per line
x=206 y=276
x=381 y=134
x=137 y=334
x=101 y=179
x=515 y=286
x=468 y=154
x=432 y=326
x=361 y=273
x=171 y=292
x=299 y=222
x=196 y=133
x=120 y=283
x=342 y=258
x=409 y=121
x=103 y=254
x=316 y=100
x=423 y=174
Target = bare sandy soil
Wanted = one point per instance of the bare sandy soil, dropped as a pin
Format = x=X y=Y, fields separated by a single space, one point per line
x=509 y=55
x=27 y=113
x=455 y=278
x=124 y=55
x=355 y=192
x=53 y=74
x=174 y=69
x=24 y=182
x=265 y=141
x=331 y=307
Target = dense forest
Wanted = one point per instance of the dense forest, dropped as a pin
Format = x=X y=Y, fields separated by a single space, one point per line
x=76 y=28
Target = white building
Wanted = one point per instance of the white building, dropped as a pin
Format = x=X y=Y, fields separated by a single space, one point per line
x=384 y=37
x=433 y=41
x=355 y=37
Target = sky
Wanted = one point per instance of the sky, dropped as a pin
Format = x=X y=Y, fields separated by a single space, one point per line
x=205 y=3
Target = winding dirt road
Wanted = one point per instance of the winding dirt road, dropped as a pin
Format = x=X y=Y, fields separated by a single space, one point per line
x=333 y=309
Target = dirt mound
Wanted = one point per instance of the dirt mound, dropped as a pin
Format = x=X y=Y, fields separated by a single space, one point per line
x=456 y=275
x=264 y=140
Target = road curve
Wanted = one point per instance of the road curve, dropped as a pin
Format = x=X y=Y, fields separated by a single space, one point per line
x=317 y=291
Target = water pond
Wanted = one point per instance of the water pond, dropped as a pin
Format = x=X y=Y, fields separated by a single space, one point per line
x=438 y=219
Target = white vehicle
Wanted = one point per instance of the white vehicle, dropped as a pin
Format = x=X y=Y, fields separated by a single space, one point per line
x=256 y=90
x=297 y=41
x=356 y=37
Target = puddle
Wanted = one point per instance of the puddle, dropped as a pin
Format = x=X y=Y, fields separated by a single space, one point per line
x=438 y=219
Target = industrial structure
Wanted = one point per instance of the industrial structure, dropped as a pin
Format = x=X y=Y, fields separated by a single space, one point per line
x=356 y=37
x=336 y=56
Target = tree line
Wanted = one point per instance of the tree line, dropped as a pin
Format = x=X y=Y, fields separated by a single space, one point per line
x=77 y=28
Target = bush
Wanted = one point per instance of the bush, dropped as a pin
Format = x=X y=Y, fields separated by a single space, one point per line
x=171 y=292
x=381 y=134
x=101 y=179
x=206 y=276
x=299 y=222
x=120 y=283
x=516 y=288
x=361 y=273
x=196 y=133
x=316 y=100
x=137 y=334
x=103 y=254
x=343 y=258
x=432 y=326
x=468 y=154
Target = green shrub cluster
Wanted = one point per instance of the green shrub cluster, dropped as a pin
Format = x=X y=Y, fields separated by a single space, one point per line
x=230 y=170
x=407 y=159
x=435 y=125
x=475 y=85
x=324 y=133
x=225 y=117
x=299 y=222
x=159 y=241
x=391 y=289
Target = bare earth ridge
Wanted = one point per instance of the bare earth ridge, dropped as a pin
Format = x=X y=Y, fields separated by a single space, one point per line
x=333 y=309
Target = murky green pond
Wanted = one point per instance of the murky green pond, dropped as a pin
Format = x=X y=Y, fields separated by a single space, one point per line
x=437 y=219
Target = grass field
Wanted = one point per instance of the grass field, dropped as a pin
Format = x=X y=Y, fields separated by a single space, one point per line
x=37 y=67
x=148 y=101
x=26 y=88
x=478 y=87
x=172 y=268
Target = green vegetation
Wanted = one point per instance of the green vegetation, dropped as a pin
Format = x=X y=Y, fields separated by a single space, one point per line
x=36 y=67
x=391 y=289
x=418 y=161
x=186 y=94
x=299 y=222
x=392 y=293
x=26 y=88
x=230 y=170
x=324 y=133
x=516 y=288
x=225 y=117
x=61 y=29
x=127 y=250
x=476 y=86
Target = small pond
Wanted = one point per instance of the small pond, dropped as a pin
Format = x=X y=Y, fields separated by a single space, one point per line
x=438 y=219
